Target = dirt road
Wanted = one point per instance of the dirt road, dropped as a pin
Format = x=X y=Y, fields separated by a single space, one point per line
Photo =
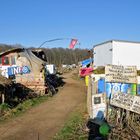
x=44 y=121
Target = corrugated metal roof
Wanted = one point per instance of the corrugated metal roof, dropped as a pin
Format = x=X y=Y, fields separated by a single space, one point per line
x=11 y=50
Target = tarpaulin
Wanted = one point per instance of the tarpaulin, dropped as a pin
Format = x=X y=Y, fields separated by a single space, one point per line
x=85 y=71
x=86 y=62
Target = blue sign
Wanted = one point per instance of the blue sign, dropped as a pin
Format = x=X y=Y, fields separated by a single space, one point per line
x=18 y=70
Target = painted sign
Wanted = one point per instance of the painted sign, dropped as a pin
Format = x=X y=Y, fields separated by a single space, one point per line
x=18 y=70
x=98 y=83
x=121 y=74
x=138 y=89
x=120 y=87
x=99 y=106
x=126 y=101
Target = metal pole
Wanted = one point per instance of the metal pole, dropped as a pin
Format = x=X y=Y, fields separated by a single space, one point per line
x=57 y=39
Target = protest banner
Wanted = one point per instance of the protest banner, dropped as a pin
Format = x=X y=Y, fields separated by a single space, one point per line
x=121 y=74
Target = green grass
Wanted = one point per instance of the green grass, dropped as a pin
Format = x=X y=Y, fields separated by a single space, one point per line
x=75 y=76
x=74 y=128
x=138 y=72
x=100 y=70
x=7 y=112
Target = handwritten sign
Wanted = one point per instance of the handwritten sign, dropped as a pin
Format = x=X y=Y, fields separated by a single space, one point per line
x=126 y=101
x=122 y=74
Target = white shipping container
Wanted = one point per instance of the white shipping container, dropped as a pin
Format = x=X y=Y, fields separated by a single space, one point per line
x=117 y=52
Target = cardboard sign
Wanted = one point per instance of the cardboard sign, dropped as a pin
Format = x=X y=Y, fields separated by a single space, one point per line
x=99 y=106
x=122 y=74
x=126 y=101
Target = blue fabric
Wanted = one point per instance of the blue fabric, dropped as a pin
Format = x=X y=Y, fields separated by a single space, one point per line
x=86 y=62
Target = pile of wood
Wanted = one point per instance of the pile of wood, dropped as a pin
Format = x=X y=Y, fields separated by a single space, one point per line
x=5 y=81
x=5 y=88
x=125 y=124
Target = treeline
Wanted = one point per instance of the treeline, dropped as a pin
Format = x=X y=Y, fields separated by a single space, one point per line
x=4 y=47
x=57 y=56
x=60 y=56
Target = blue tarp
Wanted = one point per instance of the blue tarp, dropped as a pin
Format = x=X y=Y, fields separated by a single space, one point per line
x=86 y=62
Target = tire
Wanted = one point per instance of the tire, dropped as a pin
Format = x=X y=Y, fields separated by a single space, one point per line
x=51 y=90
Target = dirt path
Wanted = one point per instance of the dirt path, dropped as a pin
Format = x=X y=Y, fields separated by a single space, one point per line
x=45 y=120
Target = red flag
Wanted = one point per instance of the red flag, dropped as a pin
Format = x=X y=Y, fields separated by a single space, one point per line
x=73 y=43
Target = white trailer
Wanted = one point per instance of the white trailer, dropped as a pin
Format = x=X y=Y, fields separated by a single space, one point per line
x=117 y=52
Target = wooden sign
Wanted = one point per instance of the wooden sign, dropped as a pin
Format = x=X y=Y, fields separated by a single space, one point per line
x=99 y=106
x=122 y=74
x=126 y=101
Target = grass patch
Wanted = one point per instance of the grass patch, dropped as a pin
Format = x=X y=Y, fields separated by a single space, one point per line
x=74 y=129
x=138 y=72
x=6 y=111
x=100 y=70
x=75 y=76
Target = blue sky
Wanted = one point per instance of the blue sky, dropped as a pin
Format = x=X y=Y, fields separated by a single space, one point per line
x=31 y=22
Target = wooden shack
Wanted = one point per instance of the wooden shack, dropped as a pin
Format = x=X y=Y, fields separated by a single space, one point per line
x=26 y=67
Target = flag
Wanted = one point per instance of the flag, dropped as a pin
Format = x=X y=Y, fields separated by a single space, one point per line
x=73 y=43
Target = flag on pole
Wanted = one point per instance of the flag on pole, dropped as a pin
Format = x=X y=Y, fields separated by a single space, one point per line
x=73 y=43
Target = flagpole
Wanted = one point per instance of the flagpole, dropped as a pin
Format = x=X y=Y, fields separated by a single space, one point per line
x=52 y=40
x=79 y=44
